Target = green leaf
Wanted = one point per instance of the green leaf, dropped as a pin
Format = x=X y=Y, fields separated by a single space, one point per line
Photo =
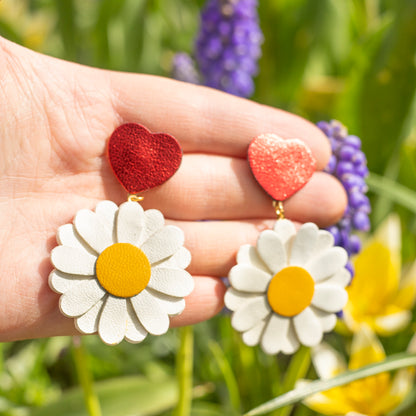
x=228 y=374
x=298 y=367
x=392 y=190
x=67 y=27
x=9 y=32
x=118 y=397
x=393 y=362
x=207 y=409
x=380 y=103
x=184 y=368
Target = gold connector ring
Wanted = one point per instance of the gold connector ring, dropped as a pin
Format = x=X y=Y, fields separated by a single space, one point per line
x=278 y=207
x=135 y=198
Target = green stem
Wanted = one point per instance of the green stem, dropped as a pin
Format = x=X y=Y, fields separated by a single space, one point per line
x=227 y=372
x=1 y=357
x=84 y=376
x=184 y=366
x=298 y=367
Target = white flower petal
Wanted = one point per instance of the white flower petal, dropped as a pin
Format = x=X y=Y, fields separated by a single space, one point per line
x=72 y=260
x=181 y=259
x=285 y=230
x=304 y=244
x=275 y=334
x=135 y=332
x=67 y=236
x=154 y=221
x=252 y=336
x=249 y=279
x=150 y=314
x=173 y=282
x=80 y=298
x=328 y=320
x=62 y=282
x=271 y=251
x=392 y=323
x=250 y=314
x=94 y=232
x=163 y=243
x=327 y=361
x=325 y=241
x=130 y=223
x=248 y=254
x=292 y=343
x=329 y=297
x=88 y=322
x=106 y=211
x=234 y=299
x=170 y=304
x=113 y=320
x=327 y=264
x=308 y=328
x=341 y=278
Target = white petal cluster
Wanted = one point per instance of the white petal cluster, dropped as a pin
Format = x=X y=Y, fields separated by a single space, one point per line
x=94 y=308
x=309 y=248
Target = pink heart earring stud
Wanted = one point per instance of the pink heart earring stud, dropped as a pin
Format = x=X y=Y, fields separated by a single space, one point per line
x=286 y=290
x=119 y=269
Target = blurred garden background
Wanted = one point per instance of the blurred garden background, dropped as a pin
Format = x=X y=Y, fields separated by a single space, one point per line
x=350 y=60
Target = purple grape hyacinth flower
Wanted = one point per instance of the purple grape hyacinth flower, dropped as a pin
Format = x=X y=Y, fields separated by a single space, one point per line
x=184 y=69
x=348 y=163
x=228 y=45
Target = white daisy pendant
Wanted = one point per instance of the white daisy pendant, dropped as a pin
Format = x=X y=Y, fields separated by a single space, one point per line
x=287 y=290
x=120 y=271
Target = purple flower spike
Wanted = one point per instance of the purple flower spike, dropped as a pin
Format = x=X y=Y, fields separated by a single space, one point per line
x=183 y=68
x=228 y=45
x=349 y=164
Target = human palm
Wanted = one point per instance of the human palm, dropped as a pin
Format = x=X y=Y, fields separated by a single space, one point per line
x=56 y=119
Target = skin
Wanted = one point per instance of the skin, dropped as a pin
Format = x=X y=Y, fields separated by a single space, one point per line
x=56 y=119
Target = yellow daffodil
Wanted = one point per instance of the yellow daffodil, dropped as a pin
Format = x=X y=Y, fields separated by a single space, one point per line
x=371 y=396
x=378 y=296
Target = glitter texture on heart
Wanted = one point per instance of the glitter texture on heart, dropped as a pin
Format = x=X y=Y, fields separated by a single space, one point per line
x=280 y=166
x=142 y=160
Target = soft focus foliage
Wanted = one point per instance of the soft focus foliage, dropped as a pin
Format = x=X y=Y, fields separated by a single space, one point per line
x=375 y=395
x=351 y=60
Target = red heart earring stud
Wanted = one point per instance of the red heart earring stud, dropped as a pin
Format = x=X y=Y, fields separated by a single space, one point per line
x=286 y=290
x=119 y=269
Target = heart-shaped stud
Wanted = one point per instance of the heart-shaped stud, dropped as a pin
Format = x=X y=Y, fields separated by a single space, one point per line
x=281 y=167
x=140 y=159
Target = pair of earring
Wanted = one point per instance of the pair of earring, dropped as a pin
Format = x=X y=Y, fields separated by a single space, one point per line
x=121 y=271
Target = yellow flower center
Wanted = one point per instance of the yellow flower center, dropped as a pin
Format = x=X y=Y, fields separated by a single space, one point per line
x=123 y=270
x=290 y=291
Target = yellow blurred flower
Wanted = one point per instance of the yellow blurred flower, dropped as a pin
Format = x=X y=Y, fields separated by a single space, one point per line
x=371 y=396
x=378 y=295
x=32 y=27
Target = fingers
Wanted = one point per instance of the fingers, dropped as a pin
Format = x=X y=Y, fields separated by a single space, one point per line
x=206 y=300
x=214 y=187
x=206 y=120
x=214 y=244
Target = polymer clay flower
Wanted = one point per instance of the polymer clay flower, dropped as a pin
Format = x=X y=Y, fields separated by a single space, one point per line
x=121 y=272
x=285 y=291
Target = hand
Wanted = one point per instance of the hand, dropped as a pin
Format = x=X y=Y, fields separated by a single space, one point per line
x=56 y=120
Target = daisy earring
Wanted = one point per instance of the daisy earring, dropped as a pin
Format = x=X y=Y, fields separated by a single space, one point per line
x=119 y=269
x=286 y=290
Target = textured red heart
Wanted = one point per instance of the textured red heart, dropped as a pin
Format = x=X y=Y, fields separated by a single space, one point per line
x=281 y=167
x=140 y=159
